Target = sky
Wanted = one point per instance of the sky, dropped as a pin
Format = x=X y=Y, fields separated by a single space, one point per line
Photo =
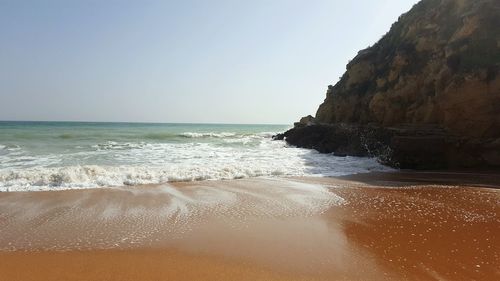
x=193 y=61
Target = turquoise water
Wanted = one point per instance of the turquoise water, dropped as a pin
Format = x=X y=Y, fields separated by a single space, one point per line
x=62 y=155
x=71 y=140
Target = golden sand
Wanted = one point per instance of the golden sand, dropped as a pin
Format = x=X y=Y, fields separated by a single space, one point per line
x=403 y=226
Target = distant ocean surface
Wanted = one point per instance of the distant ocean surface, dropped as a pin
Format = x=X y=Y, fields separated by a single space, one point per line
x=68 y=155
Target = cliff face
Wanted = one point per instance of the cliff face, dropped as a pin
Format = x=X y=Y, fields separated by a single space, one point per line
x=439 y=66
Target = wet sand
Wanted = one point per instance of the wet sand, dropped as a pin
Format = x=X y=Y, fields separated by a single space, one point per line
x=399 y=226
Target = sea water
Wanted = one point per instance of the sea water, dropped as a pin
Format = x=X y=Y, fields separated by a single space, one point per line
x=68 y=155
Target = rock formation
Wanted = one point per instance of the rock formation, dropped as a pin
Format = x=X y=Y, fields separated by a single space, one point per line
x=430 y=87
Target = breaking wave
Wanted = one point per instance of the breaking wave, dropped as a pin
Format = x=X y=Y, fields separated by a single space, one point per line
x=78 y=162
x=207 y=135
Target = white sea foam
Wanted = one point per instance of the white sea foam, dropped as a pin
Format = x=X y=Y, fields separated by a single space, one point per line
x=114 y=163
x=109 y=145
x=205 y=135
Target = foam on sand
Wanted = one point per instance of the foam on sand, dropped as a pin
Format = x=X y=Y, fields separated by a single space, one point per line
x=109 y=220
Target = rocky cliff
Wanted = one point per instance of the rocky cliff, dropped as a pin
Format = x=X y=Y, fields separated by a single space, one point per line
x=432 y=80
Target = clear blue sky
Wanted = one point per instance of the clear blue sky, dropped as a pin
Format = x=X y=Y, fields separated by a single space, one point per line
x=259 y=61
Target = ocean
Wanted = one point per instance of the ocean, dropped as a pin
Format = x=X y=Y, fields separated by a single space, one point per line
x=38 y=156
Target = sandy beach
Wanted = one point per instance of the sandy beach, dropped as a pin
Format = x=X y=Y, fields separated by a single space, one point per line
x=386 y=226
x=250 y=140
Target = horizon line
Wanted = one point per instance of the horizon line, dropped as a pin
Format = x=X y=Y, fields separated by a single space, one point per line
x=142 y=122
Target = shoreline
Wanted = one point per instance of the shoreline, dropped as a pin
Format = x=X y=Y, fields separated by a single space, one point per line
x=398 y=178
x=380 y=226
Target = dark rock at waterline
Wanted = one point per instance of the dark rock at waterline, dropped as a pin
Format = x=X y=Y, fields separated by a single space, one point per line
x=340 y=139
x=280 y=136
x=405 y=146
